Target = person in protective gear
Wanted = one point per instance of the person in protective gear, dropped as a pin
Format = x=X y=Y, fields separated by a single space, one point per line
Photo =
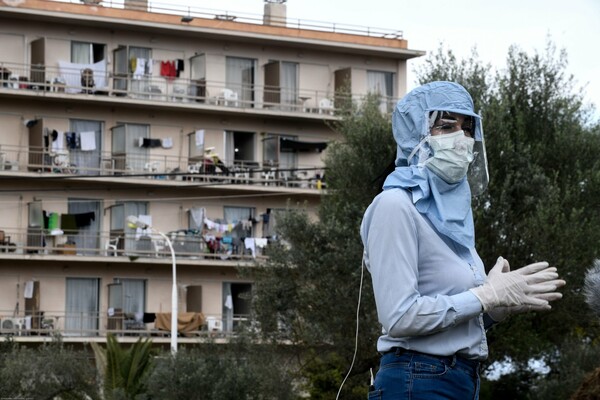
x=434 y=300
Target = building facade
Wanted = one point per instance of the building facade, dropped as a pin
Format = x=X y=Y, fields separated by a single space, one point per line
x=200 y=126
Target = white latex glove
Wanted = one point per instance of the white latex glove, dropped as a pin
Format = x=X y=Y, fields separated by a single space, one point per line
x=500 y=313
x=526 y=286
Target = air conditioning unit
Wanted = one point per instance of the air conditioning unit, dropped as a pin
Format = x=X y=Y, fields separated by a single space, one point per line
x=214 y=324
x=12 y=325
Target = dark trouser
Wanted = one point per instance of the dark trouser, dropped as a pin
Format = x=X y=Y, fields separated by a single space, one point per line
x=405 y=374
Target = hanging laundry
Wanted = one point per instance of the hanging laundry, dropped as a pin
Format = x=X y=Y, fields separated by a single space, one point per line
x=260 y=242
x=73 y=140
x=28 y=292
x=84 y=219
x=151 y=143
x=68 y=223
x=180 y=66
x=197 y=214
x=168 y=69
x=167 y=143
x=132 y=64
x=58 y=144
x=149 y=66
x=250 y=244
x=88 y=141
x=140 y=68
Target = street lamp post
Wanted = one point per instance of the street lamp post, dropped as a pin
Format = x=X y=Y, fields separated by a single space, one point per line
x=134 y=222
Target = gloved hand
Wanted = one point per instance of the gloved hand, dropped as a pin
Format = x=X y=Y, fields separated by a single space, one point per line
x=529 y=286
x=500 y=313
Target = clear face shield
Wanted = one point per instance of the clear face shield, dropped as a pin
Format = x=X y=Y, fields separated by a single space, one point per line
x=452 y=147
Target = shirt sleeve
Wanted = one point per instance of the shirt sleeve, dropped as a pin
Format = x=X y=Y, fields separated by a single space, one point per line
x=391 y=242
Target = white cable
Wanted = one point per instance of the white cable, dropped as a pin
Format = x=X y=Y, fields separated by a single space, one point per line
x=362 y=272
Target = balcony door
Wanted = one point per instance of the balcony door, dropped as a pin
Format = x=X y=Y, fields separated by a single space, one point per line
x=239 y=148
x=382 y=83
x=119 y=228
x=240 y=77
x=281 y=84
x=82 y=306
x=128 y=296
x=237 y=299
x=88 y=214
x=87 y=162
x=122 y=70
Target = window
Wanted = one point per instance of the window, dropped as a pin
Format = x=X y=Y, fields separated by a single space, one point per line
x=87 y=53
x=274 y=154
x=128 y=295
x=239 y=147
x=382 y=83
x=240 y=77
x=81 y=308
x=281 y=84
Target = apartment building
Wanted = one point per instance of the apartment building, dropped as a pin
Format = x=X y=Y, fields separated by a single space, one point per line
x=139 y=144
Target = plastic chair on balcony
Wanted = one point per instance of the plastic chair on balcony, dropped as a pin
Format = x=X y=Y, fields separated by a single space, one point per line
x=326 y=106
x=229 y=97
x=5 y=244
x=111 y=245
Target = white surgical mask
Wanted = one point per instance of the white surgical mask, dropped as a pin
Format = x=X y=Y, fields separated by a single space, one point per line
x=452 y=154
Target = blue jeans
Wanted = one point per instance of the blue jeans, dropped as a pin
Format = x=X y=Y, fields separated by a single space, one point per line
x=409 y=375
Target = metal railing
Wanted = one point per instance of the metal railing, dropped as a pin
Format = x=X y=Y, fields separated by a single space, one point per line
x=207 y=169
x=51 y=80
x=86 y=324
x=190 y=12
x=188 y=244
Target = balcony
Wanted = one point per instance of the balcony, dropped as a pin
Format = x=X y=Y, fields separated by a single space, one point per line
x=100 y=86
x=157 y=169
x=40 y=326
x=189 y=246
x=53 y=82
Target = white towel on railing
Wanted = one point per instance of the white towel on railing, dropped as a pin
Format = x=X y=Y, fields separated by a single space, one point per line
x=71 y=73
x=249 y=244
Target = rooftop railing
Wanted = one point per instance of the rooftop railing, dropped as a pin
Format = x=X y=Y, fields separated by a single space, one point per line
x=189 y=12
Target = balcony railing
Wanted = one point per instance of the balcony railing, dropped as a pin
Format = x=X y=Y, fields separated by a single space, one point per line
x=56 y=81
x=87 y=324
x=188 y=244
x=208 y=169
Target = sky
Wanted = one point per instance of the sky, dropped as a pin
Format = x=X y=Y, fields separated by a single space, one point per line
x=490 y=26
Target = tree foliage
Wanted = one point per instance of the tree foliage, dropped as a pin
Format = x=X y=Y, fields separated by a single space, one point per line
x=49 y=371
x=541 y=204
x=239 y=370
